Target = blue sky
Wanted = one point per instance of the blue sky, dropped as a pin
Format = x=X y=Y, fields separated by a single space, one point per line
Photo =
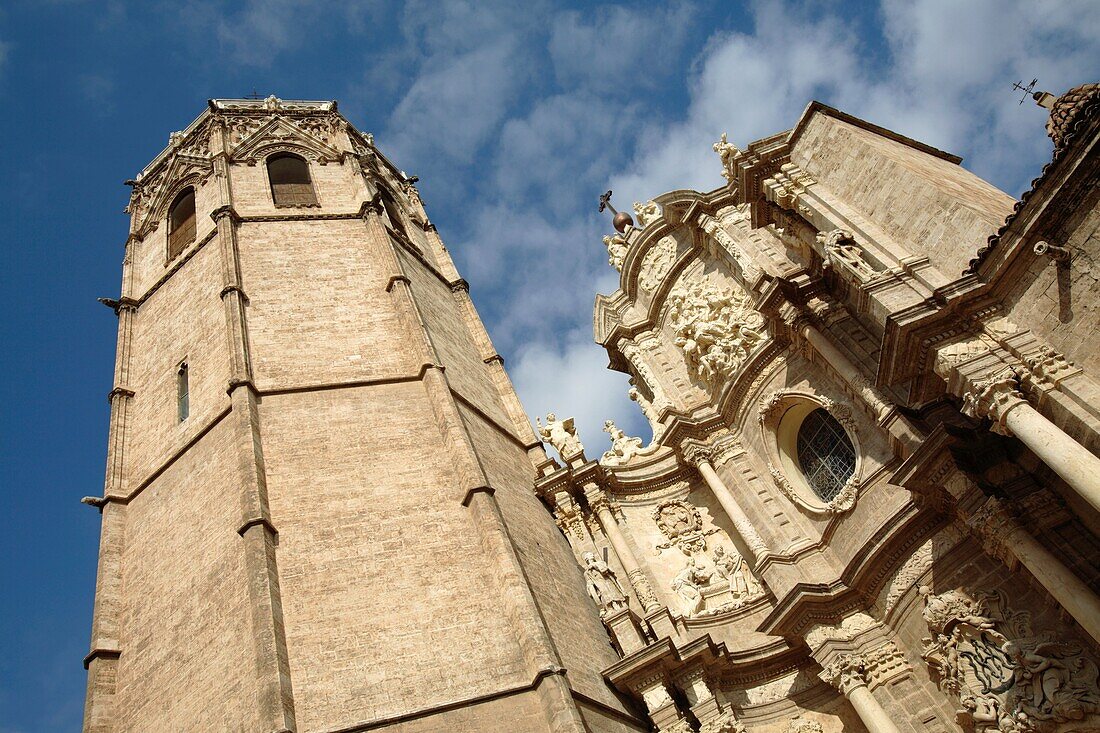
x=515 y=119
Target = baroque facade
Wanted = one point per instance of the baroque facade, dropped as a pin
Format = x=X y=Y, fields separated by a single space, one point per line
x=871 y=500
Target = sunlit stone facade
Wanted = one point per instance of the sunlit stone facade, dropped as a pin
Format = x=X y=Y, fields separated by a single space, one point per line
x=871 y=502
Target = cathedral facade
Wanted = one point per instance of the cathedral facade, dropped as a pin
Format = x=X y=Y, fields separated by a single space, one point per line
x=871 y=500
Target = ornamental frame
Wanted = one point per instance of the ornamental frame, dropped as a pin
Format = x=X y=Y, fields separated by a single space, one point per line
x=783 y=461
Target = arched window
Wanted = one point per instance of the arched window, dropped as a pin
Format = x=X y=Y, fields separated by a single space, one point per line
x=290 y=181
x=393 y=211
x=181 y=222
x=825 y=454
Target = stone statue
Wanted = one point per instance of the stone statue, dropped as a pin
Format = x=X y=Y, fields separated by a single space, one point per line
x=602 y=585
x=687 y=583
x=616 y=250
x=647 y=213
x=648 y=409
x=561 y=434
x=1004 y=677
x=841 y=249
x=733 y=568
x=623 y=447
x=727 y=151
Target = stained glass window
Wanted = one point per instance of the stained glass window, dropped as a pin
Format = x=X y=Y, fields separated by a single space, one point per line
x=825 y=454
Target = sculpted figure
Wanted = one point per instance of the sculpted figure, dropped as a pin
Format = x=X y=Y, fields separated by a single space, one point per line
x=732 y=568
x=726 y=151
x=561 y=434
x=602 y=584
x=623 y=447
x=687 y=583
x=647 y=212
x=616 y=250
x=841 y=248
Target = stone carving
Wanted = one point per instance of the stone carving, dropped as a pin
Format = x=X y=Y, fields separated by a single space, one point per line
x=728 y=153
x=657 y=262
x=1049 y=366
x=561 y=434
x=846 y=672
x=744 y=586
x=616 y=250
x=842 y=251
x=777 y=689
x=603 y=587
x=687 y=585
x=647 y=213
x=633 y=354
x=1004 y=677
x=803 y=725
x=716 y=328
x=919 y=563
x=656 y=697
x=623 y=447
x=642 y=589
x=992 y=396
x=648 y=409
x=849 y=628
x=682 y=524
x=725 y=723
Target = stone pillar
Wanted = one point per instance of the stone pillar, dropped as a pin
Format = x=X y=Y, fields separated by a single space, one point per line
x=597 y=501
x=699 y=454
x=848 y=371
x=1004 y=538
x=704 y=705
x=846 y=672
x=999 y=398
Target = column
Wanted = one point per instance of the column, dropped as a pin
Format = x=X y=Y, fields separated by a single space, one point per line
x=659 y=704
x=699 y=454
x=597 y=501
x=848 y=371
x=999 y=398
x=846 y=672
x=1006 y=539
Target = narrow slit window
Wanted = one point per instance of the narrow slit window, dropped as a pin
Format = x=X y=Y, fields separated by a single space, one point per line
x=181 y=223
x=291 y=184
x=183 y=392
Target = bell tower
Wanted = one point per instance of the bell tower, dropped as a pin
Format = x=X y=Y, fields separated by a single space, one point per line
x=318 y=511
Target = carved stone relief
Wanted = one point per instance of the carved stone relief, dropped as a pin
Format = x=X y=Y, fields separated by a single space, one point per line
x=623 y=447
x=716 y=328
x=1003 y=676
x=657 y=262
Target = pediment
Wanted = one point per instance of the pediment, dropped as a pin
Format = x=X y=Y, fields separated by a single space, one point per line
x=153 y=196
x=279 y=134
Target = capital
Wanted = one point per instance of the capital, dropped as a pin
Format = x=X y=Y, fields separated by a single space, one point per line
x=993 y=397
x=846 y=672
x=597 y=499
x=696 y=452
x=995 y=527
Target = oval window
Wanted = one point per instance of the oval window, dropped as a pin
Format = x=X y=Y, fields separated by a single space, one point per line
x=826 y=455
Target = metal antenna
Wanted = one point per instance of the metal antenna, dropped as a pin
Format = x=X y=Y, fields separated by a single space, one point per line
x=1019 y=86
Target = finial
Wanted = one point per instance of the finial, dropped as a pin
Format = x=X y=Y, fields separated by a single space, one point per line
x=1043 y=99
x=622 y=219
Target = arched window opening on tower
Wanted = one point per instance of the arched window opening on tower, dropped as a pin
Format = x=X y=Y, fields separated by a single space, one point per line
x=825 y=454
x=181 y=222
x=291 y=184
x=183 y=392
x=393 y=211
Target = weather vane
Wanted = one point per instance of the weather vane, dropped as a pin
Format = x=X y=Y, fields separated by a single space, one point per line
x=622 y=219
x=1019 y=86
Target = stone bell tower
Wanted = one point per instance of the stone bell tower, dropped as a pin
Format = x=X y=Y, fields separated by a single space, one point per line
x=318 y=512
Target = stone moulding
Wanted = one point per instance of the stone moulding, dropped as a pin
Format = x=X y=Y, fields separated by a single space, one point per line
x=783 y=467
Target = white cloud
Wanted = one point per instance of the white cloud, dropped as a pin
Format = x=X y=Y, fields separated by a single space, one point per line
x=573 y=381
